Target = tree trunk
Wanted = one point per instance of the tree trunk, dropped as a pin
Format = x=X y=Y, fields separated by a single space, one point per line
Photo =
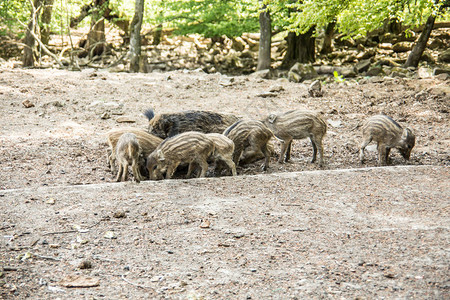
x=135 y=37
x=96 y=37
x=417 y=51
x=301 y=48
x=327 y=46
x=157 y=34
x=46 y=18
x=265 y=40
x=29 y=49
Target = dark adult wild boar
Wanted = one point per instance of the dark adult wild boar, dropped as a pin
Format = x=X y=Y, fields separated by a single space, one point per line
x=170 y=124
x=189 y=147
x=298 y=124
x=223 y=151
x=249 y=134
x=387 y=134
x=148 y=142
x=128 y=153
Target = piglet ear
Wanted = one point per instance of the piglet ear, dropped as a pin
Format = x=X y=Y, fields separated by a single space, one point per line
x=272 y=118
x=405 y=133
x=160 y=155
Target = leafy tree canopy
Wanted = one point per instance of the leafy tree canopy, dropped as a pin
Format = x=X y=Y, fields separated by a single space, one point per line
x=353 y=17
x=210 y=18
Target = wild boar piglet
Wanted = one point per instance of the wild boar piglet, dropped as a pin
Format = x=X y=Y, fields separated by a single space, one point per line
x=128 y=153
x=296 y=125
x=223 y=152
x=387 y=134
x=249 y=134
x=189 y=147
x=148 y=142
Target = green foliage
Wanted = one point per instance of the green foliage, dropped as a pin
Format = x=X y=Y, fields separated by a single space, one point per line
x=353 y=17
x=337 y=77
x=210 y=18
x=11 y=12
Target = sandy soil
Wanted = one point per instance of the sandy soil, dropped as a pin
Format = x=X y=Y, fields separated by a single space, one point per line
x=345 y=230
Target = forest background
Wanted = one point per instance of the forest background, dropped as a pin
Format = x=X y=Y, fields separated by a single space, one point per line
x=303 y=31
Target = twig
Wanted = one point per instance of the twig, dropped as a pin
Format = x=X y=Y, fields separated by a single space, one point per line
x=71 y=231
x=46 y=257
x=61 y=232
x=137 y=285
x=103 y=258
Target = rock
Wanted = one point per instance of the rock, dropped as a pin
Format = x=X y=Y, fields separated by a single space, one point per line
x=315 y=89
x=238 y=44
x=116 y=69
x=27 y=103
x=79 y=281
x=265 y=74
x=105 y=116
x=125 y=119
x=426 y=56
x=349 y=58
x=375 y=79
x=399 y=72
x=205 y=224
x=387 y=62
x=374 y=71
x=385 y=46
x=54 y=103
x=266 y=94
x=276 y=88
x=402 y=47
x=443 y=76
x=348 y=72
x=366 y=54
x=444 y=56
x=438 y=71
x=110 y=235
x=226 y=81
x=362 y=66
x=300 y=72
x=85 y=264
x=119 y=214
x=335 y=123
x=424 y=72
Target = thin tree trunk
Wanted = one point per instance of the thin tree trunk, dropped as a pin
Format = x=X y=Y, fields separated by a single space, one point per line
x=46 y=18
x=327 y=46
x=301 y=48
x=417 y=51
x=265 y=41
x=29 y=49
x=96 y=37
x=135 y=37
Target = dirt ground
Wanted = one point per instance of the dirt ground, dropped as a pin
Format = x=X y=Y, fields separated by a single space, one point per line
x=294 y=231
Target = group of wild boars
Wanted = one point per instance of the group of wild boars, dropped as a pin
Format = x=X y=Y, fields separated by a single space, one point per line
x=250 y=134
x=170 y=124
x=298 y=124
x=146 y=141
x=192 y=147
x=387 y=134
x=194 y=138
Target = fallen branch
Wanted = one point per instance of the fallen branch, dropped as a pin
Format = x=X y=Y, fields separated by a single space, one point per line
x=46 y=257
x=136 y=285
x=71 y=231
